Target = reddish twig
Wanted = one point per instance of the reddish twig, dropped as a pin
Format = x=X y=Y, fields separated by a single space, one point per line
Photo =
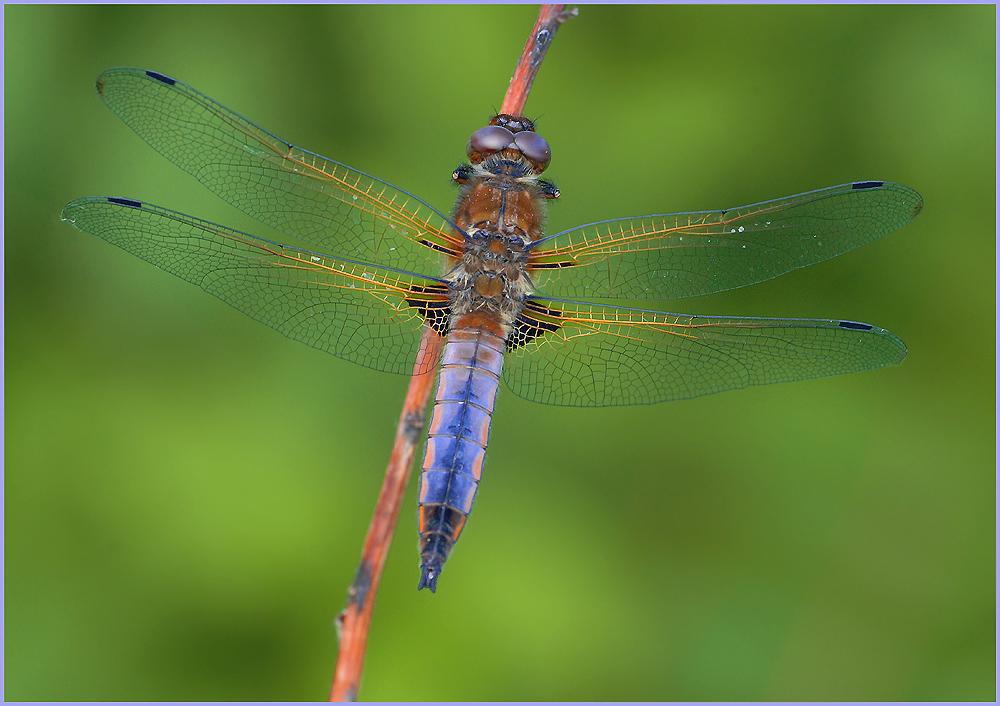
x=354 y=621
x=549 y=19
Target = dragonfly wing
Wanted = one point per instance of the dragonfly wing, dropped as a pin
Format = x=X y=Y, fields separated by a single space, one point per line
x=686 y=254
x=368 y=315
x=308 y=197
x=578 y=354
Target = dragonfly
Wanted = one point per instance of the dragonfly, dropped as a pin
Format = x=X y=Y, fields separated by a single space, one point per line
x=369 y=268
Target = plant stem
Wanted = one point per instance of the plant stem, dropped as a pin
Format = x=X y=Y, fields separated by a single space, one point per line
x=354 y=621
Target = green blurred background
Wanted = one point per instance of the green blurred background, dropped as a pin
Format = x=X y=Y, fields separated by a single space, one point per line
x=187 y=491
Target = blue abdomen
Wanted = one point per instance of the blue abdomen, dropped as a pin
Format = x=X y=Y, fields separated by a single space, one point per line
x=456 y=444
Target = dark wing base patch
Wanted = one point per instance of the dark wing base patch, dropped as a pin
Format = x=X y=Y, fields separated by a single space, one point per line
x=433 y=304
x=534 y=320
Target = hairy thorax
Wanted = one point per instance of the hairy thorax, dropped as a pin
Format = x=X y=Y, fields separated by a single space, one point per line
x=500 y=208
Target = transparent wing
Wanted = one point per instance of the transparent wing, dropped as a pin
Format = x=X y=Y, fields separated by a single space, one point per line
x=306 y=196
x=355 y=311
x=578 y=354
x=686 y=254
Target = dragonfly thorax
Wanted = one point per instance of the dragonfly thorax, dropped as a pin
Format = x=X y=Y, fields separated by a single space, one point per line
x=492 y=277
x=500 y=211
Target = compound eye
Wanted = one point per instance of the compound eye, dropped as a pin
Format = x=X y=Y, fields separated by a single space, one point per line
x=534 y=147
x=489 y=139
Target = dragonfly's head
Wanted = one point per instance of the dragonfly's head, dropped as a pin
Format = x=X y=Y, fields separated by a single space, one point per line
x=514 y=135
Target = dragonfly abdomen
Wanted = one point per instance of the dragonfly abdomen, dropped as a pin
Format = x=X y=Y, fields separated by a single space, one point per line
x=457 y=439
